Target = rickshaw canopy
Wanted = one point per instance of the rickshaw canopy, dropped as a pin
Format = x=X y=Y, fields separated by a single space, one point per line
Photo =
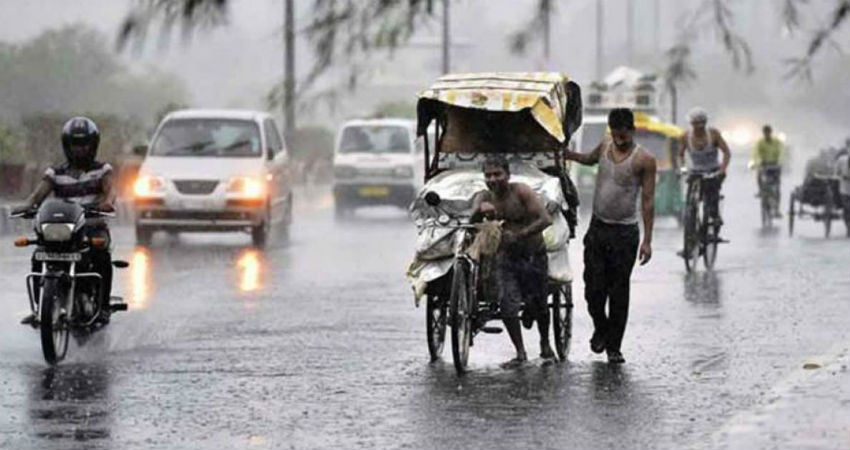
x=551 y=99
x=646 y=122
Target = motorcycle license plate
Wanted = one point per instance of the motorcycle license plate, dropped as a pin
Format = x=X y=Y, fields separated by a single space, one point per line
x=50 y=256
x=374 y=191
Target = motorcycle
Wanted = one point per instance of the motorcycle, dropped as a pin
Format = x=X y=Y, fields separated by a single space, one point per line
x=65 y=295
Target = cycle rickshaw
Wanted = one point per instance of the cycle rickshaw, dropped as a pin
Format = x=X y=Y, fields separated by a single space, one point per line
x=528 y=117
x=817 y=198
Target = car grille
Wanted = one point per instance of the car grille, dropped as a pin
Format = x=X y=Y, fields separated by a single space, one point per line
x=197 y=215
x=196 y=187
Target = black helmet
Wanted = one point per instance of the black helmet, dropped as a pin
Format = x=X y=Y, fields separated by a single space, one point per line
x=80 y=131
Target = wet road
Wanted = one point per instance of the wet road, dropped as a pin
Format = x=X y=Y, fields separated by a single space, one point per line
x=317 y=344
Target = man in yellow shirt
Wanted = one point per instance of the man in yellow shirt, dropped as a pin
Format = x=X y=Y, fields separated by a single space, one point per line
x=767 y=157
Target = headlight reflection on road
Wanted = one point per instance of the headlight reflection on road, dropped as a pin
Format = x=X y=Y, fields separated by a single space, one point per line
x=250 y=266
x=139 y=279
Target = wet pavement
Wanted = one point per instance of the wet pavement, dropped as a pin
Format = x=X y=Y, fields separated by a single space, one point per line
x=316 y=343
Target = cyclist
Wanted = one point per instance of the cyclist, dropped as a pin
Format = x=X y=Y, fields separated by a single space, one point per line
x=767 y=158
x=705 y=146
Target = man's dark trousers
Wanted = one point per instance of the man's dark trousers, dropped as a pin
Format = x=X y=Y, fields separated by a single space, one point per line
x=610 y=251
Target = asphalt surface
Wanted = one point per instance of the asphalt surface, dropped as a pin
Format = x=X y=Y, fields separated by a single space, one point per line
x=317 y=344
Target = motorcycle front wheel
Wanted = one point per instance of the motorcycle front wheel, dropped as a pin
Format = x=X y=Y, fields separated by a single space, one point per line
x=54 y=323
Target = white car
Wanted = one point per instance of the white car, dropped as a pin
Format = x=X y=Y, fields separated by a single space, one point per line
x=214 y=170
x=376 y=162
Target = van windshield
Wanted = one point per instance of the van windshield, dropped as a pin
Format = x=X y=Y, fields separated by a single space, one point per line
x=374 y=139
x=224 y=138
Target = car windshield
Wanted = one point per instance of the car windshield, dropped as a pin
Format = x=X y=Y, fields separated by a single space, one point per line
x=655 y=143
x=374 y=139
x=223 y=138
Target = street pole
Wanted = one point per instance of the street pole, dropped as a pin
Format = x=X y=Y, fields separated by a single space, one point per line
x=446 y=38
x=630 y=31
x=547 y=11
x=656 y=42
x=289 y=67
x=599 y=44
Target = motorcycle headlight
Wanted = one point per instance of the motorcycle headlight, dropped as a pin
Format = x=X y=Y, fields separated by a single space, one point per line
x=403 y=172
x=57 y=232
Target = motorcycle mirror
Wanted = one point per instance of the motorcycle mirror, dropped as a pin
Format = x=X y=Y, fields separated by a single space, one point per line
x=432 y=198
x=22 y=241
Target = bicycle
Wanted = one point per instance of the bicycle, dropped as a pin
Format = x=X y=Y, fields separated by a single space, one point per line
x=768 y=179
x=702 y=224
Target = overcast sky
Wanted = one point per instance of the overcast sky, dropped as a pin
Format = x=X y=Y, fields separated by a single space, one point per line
x=236 y=65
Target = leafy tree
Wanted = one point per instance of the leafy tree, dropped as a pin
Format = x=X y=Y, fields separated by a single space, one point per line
x=73 y=69
x=10 y=148
x=396 y=109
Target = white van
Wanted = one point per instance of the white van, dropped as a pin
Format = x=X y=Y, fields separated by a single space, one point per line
x=376 y=162
x=214 y=170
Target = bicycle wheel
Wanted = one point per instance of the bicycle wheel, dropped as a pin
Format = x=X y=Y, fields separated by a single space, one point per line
x=791 y=199
x=54 y=324
x=461 y=316
x=690 y=251
x=435 y=322
x=562 y=319
x=766 y=212
x=710 y=241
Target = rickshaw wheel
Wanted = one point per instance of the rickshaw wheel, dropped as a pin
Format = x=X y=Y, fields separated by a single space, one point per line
x=435 y=322
x=827 y=212
x=791 y=215
x=461 y=316
x=562 y=319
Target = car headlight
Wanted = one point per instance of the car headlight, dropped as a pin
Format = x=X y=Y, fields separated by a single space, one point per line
x=248 y=187
x=403 y=172
x=344 y=172
x=148 y=186
x=57 y=232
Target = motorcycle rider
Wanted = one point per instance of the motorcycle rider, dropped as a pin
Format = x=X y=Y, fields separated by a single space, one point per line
x=767 y=156
x=84 y=180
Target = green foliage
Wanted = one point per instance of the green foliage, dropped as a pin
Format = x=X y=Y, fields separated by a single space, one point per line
x=73 y=69
x=311 y=145
x=166 y=110
x=396 y=109
x=10 y=145
x=41 y=137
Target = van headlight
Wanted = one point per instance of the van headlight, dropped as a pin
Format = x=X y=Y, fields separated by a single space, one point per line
x=57 y=232
x=403 y=172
